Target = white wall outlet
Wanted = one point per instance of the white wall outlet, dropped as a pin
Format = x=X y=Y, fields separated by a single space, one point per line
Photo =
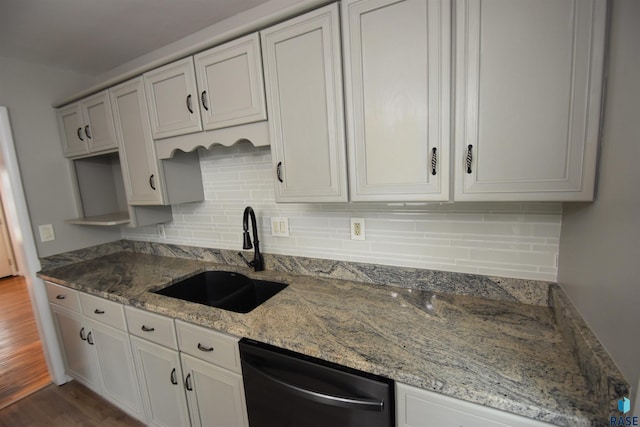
x=280 y=226
x=357 y=228
x=46 y=233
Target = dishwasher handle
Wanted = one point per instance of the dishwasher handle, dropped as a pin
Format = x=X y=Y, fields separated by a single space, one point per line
x=327 y=399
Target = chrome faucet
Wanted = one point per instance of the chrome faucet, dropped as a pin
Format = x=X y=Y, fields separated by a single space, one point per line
x=258 y=261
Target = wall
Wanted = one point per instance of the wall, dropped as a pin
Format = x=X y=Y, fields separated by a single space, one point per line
x=512 y=240
x=600 y=242
x=28 y=91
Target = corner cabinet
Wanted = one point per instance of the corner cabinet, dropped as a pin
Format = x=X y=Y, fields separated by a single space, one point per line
x=86 y=127
x=397 y=68
x=528 y=93
x=421 y=408
x=303 y=78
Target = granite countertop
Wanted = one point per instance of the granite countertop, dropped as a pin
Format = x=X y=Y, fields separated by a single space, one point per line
x=502 y=354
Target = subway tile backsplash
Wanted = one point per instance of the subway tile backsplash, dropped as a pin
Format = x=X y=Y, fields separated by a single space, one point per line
x=497 y=239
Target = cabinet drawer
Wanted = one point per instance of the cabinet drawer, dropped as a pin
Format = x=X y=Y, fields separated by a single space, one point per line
x=108 y=312
x=62 y=296
x=151 y=326
x=211 y=346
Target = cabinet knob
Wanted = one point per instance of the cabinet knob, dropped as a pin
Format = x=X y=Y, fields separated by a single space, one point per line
x=469 y=158
x=434 y=160
x=279 y=171
x=189 y=107
x=203 y=99
x=79 y=132
x=86 y=131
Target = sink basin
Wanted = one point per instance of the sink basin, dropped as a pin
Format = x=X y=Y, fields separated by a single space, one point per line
x=223 y=289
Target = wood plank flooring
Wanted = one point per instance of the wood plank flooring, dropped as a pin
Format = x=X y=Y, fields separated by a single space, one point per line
x=23 y=369
x=68 y=405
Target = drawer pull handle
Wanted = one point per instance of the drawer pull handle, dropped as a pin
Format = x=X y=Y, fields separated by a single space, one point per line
x=204 y=100
x=90 y=338
x=187 y=383
x=203 y=348
x=172 y=377
x=79 y=133
x=60 y=297
x=86 y=131
x=82 y=337
x=434 y=160
x=145 y=329
x=98 y=311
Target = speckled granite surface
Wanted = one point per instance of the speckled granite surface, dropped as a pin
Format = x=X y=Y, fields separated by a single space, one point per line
x=498 y=288
x=499 y=353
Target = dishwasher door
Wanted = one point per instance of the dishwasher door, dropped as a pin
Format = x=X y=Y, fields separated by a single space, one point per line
x=288 y=389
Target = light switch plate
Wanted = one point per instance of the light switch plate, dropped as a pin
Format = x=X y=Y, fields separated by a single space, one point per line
x=46 y=233
x=280 y=226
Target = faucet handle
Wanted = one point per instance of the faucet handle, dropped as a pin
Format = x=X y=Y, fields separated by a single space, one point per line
x=249 y=263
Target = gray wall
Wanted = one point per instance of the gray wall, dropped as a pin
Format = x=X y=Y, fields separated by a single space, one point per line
x=28 y=90
x=599 y=264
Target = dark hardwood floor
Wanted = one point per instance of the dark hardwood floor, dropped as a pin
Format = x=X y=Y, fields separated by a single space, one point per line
x=68 y=405
x=23 y=369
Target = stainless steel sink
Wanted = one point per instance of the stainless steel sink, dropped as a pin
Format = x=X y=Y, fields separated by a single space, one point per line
x=224 y=289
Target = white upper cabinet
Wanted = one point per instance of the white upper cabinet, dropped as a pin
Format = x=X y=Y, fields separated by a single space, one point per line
x=140 y=166
x=528 y=90
x=303 y=75
x=86 y=126
x=231 y=84
x=174 y=108
x=147 y=180
x=397 y=80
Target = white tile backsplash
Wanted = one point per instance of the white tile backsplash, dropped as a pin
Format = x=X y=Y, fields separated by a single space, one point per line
x=501 y=239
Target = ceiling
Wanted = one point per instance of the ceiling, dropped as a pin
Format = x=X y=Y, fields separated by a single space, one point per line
x=94 y=36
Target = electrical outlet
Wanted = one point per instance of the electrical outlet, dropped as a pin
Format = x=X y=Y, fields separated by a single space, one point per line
x=161 y=233
x=357 y=228
x=46 y=233
x=280 y=226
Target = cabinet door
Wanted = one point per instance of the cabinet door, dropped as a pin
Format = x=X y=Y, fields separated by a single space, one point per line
x=303 y=74
x=137 y=152
x=215 y=395
x=71 y=125
x=231 y=84
x=161 y=384
x=79 y=356
x=98 y=123
x=422 y=408
x=398 y=98
x=117 y=370
x=528 y=89
x=173 y=99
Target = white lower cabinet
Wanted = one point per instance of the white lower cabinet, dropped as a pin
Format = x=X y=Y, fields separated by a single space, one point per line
x=96 y=355
x=161 y=383
x=215 y=395
x=421 y=408
x=117 y=370
x=80 y=358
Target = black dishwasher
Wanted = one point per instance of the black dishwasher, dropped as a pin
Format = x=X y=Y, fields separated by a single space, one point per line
x=288 y=389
